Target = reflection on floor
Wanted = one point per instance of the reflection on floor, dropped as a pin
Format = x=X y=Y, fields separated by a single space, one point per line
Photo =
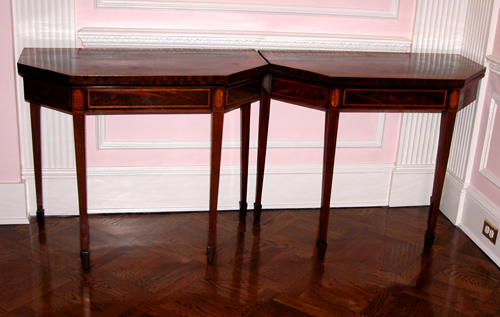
x=155 y=264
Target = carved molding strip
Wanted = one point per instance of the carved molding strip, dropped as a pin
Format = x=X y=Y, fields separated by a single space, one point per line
x=165 y=38
x=494 y=63
x=391 y=13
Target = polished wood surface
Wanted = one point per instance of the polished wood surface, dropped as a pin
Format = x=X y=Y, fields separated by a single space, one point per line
x=347 y=81
x=153 y=265
x=157 y=67
x=359 y=68
x=126 y=81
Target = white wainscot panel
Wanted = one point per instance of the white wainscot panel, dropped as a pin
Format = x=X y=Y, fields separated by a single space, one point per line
x=171 y=132
x=375 y=9
x=489 y=165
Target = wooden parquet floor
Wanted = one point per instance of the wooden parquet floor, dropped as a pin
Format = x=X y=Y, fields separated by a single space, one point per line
x=155 y=265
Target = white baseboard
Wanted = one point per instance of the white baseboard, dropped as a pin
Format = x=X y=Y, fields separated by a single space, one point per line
x=477 y=208
x=13 y=204
x=452 y=201
x=186 y=188
x=411 y=185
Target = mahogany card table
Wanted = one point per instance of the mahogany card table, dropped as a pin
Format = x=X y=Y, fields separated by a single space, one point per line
x=348 y=81
x=84 y=82
x=88 y=81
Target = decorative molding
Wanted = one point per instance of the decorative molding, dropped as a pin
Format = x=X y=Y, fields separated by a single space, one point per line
x=170 y=38
x=375 y=143
x=391 y=13
x=104 y=144
x=493 y=63
x=488 y=205
x=491 y=177
x=483 y=168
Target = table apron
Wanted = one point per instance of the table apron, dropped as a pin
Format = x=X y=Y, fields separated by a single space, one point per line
x=148 y=99
x=390 y=99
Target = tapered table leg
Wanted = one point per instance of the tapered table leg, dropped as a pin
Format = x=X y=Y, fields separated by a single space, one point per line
x=245 y=149
x=265 y=105
x=215 y=161
x=81 y=173
x=331 y=128
x=445 y=137
x=37 y=161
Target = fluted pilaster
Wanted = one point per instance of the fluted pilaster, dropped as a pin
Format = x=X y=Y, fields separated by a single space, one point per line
x=45 y=23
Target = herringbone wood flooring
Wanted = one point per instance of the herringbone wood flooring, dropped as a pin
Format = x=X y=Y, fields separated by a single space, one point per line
x=155 y=264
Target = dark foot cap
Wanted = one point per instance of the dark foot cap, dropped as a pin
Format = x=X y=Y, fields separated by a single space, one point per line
x=40 y=217
x=257 y=208
x=85 y=256
x=210 y=253
x=429 y=240
x=321 y=248
x=243 y=209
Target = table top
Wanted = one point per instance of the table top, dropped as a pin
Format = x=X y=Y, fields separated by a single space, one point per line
x=362 y=68
x=141 y=66
x=158 y=67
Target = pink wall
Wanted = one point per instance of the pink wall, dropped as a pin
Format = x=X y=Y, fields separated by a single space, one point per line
x=88 y=16
x=10 y=167
x=287 y=122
